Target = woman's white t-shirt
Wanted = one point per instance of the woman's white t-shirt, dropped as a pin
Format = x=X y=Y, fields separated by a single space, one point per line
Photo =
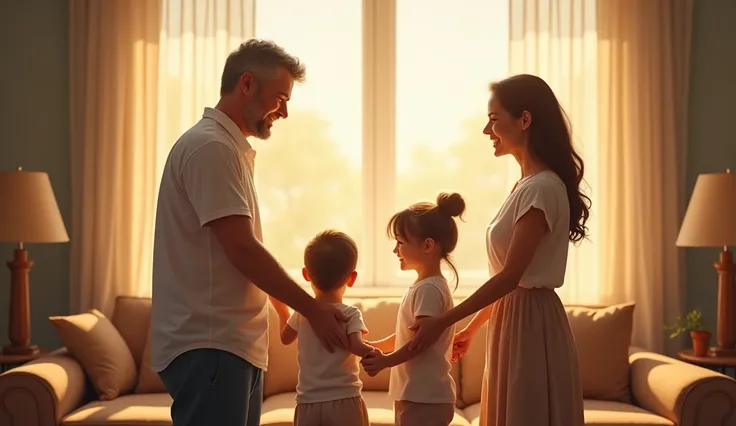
x=425 y=378
x=544 y=191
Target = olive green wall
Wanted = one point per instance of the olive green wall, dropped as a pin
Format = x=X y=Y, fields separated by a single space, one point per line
x=34 y=124
x=712 y=142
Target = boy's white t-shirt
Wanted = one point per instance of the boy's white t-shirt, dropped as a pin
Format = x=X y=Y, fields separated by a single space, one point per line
x=325 y=376
x=425 y=378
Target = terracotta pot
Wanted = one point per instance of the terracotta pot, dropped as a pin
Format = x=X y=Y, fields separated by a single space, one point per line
x=701 y=342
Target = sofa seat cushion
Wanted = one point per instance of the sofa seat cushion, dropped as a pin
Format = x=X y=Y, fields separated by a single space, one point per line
x=599 y=413
x=129 y=410
x=278 y=410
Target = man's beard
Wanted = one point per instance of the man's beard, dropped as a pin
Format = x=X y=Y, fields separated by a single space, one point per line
x=261 y=131
x=257 y=127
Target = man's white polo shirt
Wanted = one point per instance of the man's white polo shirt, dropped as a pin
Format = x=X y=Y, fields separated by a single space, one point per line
x=200 y=300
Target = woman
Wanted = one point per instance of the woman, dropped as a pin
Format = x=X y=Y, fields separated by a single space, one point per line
x=531 y=375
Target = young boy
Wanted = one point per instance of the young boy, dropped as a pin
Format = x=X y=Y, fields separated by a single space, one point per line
x=329 y=389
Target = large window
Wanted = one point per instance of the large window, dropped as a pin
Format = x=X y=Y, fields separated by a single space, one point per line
x=309 y=172
x=392 y=113
x=444 y=63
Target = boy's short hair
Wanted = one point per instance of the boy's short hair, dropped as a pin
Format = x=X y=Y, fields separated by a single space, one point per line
x=330 y=258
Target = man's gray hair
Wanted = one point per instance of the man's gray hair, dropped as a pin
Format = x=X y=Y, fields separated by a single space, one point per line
x=262 y=58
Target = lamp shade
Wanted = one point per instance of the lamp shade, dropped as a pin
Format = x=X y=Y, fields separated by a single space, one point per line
x=28 y=209
x=710 y=220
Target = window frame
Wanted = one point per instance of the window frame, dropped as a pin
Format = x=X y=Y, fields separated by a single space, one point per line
x=379 y=270
x=379 y=134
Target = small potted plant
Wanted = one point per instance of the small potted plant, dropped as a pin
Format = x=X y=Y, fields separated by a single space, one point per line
x=693 y=323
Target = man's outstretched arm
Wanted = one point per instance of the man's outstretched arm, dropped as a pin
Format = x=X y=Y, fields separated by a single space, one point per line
x=250 y=257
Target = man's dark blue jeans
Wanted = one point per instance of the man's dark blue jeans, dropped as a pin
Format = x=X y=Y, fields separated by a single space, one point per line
x=213 y=387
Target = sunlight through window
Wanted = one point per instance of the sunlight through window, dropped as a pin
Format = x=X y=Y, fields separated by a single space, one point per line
x=309 y=171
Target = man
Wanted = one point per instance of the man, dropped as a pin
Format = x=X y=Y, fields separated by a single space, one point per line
x=211 y=274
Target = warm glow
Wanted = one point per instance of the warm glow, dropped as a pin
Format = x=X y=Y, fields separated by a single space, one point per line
x=441 y=96
x=311 y=174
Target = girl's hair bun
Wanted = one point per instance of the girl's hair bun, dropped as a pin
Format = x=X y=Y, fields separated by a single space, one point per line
x=452 y=204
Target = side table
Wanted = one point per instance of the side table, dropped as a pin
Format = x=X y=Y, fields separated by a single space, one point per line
x=8 y=362
x=720 y=364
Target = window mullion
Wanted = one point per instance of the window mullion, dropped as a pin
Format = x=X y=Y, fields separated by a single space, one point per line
x=379 y=135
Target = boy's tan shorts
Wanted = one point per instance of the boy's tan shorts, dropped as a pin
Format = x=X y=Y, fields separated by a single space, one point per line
x=342 y=412
x=407 y=413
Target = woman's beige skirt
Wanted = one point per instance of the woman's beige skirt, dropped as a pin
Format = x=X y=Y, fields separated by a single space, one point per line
x=532 y=375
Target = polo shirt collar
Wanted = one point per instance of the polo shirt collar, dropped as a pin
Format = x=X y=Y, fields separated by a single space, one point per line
x=222 y=119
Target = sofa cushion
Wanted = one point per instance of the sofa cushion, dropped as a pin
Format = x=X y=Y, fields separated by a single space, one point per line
x=281 y=375
x=278 y=410
x=132 y=319
x=472 y=366
x=101 y=351
x=128 y=410
x=599 y=413
x=379 y=314
x=603 y=337
x=148 y=380
x=613 y=413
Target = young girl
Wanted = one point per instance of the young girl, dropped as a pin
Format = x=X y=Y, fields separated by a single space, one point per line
x=421 y=385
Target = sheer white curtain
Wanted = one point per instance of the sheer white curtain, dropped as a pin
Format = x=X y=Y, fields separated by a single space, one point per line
x=620 y=70
x=113 y=61
x=644 y=61
x=141 y=73
x=557 y=41
x=196 y=38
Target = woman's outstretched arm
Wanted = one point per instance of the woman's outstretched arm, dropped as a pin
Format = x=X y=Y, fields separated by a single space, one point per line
x=528 y=233
x=478 y=320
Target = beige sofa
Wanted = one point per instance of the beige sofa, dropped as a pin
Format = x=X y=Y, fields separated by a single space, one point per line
x=623 y=385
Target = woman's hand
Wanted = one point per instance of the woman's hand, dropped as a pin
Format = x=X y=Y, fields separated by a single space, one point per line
x=461 y=343
x=428 y=331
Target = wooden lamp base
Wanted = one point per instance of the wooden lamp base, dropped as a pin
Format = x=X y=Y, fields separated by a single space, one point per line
x=19 y=325
x=725 y=338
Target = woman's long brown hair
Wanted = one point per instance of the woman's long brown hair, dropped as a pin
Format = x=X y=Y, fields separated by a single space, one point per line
x=550 y=139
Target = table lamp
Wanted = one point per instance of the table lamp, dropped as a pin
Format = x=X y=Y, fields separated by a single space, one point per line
x=710 y=221
x=28 y=214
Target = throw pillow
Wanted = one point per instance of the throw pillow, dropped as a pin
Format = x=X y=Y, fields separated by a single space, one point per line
x=101 y=351
x=603 y=337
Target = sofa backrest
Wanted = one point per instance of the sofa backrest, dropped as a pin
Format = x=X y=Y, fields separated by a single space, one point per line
x=379 y=314
x=603 y=337
x=132 y=318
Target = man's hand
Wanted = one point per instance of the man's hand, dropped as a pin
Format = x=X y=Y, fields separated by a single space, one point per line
x=327 y=321
x=374 y=362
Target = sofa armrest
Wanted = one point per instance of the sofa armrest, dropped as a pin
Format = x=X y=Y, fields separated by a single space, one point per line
x=683 y=393
x=42 y=391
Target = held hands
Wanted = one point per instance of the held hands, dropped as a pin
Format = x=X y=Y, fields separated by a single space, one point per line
x=326 y=321
x=373 y=362
x=460 y=344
